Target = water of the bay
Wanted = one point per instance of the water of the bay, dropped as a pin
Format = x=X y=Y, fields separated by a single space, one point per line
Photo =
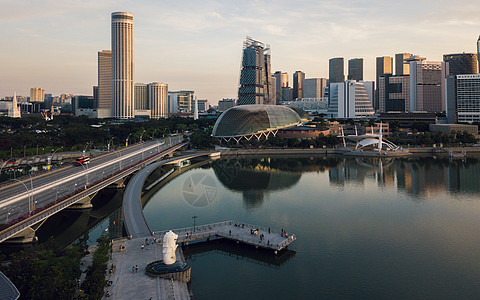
x=366 y=228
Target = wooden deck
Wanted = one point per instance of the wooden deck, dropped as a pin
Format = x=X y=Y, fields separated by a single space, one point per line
x=240 y=232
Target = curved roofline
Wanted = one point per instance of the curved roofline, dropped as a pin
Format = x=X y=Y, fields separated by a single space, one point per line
x=268 y=123
x=253 y=133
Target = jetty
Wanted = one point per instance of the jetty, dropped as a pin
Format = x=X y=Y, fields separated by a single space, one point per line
x=259 y=237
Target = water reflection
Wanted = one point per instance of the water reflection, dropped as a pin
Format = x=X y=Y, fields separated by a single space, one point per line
x=238 y=252
x=419 y=177
x=254 y=178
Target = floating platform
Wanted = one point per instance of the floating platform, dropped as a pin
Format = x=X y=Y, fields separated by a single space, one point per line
x=239 y=232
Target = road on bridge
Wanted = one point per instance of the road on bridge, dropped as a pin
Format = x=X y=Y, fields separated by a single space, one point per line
x=31 y=192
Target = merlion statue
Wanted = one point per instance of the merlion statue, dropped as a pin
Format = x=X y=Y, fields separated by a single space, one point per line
x=169 y=247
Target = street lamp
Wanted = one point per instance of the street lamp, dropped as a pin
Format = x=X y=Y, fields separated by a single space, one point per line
x=85 y=148
x=126 y=140
x=30 y=196
x=194 y=218
x=50 y=158
x=108 y=145
x=85 y=168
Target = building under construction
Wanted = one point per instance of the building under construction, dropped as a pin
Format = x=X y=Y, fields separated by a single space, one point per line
x=255 y=75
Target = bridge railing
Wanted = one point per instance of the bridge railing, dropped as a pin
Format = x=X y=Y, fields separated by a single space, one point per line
x=197 y=228
x=22 y=223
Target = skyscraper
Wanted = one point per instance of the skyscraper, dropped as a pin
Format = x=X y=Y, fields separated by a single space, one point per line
x=158 y=99
x=478 y=53
x=141 y=96
x=298 y=84
x=335 y=70
x=351 y=99
x=315 y=87
x=427 y=86
x=462 y=63
x=123 y=65
x=384 y=66
x=273 y=90
x=281 y=82
x=394 y=93
x=402 y=67
x=463 y=98
x=37 y=95
x=255 y=74
x=105 y=80
x=355 y=69
x=180 y=102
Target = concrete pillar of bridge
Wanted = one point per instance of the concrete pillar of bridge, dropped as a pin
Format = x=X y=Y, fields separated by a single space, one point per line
x=84 y=203
x=25 y=236
x=118 y=185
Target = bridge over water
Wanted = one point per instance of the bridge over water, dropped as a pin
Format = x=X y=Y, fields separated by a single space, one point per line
x=26 y=203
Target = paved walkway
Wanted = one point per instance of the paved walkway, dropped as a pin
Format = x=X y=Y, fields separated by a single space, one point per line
x=136 y=285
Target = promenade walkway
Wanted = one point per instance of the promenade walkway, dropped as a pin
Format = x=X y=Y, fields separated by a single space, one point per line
x=257 y=236
x=127 y=283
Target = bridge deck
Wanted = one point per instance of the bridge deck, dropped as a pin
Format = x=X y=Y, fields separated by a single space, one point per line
x=239 y=232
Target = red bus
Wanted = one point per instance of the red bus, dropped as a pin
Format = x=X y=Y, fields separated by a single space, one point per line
x=83 y=160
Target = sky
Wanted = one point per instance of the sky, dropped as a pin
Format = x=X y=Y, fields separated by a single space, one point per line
x=197 y=45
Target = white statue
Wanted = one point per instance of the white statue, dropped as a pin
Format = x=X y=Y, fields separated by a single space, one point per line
x=169 y=247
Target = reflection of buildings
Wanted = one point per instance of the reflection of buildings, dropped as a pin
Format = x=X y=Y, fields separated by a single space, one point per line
x=463 y=177
x=356 y=170
x=253 y=179
x=419 y=177
x=422 y=177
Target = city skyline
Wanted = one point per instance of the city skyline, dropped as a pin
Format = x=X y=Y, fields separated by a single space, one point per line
x=54 y=46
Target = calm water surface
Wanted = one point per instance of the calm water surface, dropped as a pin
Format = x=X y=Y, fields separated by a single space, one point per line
x=365 y=228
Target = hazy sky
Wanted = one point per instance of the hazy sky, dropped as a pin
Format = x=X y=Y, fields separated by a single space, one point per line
x=197 y=45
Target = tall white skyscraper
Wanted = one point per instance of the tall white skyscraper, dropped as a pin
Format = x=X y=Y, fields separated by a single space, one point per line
x=123 y=66
x=158 y=99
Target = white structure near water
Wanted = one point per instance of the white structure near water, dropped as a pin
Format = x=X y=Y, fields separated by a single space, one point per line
x=169 y=248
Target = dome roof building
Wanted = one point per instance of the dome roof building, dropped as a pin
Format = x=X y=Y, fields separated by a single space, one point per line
x=247 y=121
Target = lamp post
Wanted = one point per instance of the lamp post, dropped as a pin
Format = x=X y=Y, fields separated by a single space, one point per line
x=85 y=148
x=194 y=218
x=126 y=140
x=29 y=192
x=50 y=158
x=85 y=169
x=108 y=145
x=119 y=155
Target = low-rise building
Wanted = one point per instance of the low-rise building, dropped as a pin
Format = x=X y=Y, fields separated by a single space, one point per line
x=449 y=128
